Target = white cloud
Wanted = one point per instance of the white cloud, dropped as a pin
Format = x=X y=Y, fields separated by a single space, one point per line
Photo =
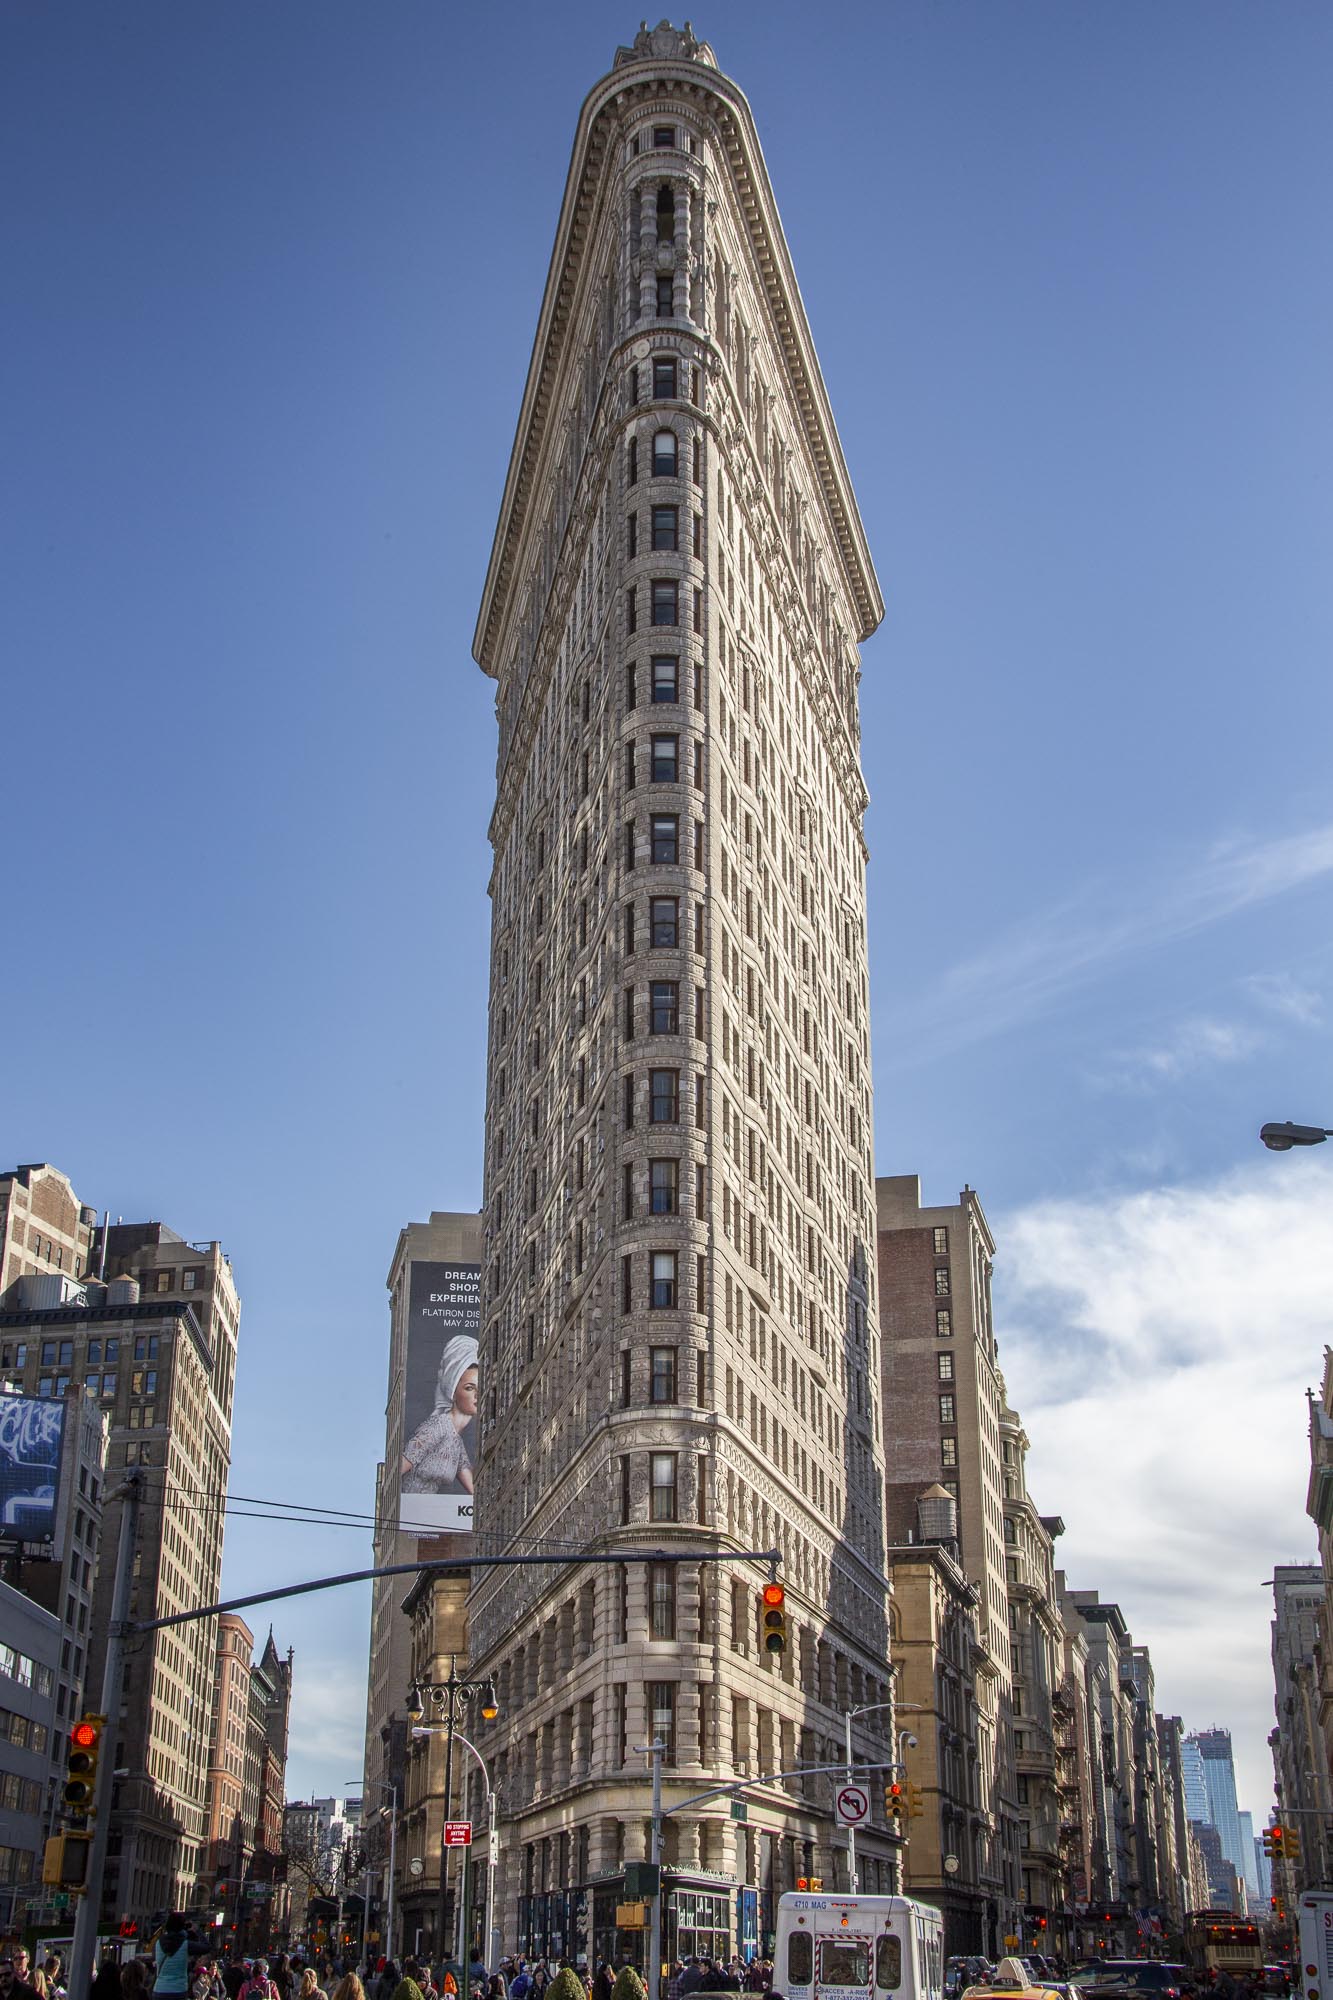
x=1022 y=973
x=1157 y=1346
x=328 y=1725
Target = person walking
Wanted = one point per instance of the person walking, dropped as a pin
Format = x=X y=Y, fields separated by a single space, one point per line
x=171 y=1958
x=259 y=1986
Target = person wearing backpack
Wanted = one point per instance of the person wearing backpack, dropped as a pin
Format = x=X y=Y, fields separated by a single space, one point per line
x=259 y=1986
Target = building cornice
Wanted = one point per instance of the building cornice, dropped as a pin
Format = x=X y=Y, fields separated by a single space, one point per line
x=599 y=121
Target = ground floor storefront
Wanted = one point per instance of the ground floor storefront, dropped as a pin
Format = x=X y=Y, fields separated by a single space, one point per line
x=702 y=1917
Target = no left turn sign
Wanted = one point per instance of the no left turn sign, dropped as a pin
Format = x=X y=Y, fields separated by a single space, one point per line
x=852 y=1805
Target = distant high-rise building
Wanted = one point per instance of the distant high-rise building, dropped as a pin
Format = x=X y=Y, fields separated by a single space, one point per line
x=147 y=1324
x=1247 y=1842
x=1219 y=1777
x=680 y=1342
x=1197 y=1807
x=433 y=1282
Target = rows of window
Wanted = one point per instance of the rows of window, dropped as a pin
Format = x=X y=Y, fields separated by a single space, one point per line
x=664 y=606
x=661 y=138
x=664 y=531
x=663 y=1487
x=666 y=1375
x=16 y=1666
x=664 y=926
x=22 y=1731
x=664 y=1098
x=663 y=765
x=664 y=682
x=664 y=1292
x=663 y=458
x=18 y=1794
x=664 y=847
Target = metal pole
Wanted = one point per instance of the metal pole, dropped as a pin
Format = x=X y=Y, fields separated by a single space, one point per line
x=490 y=1944
x=851 y=1831
x=442 y=1928
x=365 y=1903
x=84 y=1947
x=492 y=1857
x=655 y=1856
x=393 y=1873
x=463 y=1883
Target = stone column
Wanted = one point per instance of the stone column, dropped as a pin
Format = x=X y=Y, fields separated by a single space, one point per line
x=680 y=283
x=647 y=249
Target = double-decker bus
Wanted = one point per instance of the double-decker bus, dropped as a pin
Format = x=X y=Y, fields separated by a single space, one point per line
x=1220 y=1941
x=858 y=1948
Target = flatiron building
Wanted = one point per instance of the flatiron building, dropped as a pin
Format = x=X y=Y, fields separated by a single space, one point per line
x=679 y=1345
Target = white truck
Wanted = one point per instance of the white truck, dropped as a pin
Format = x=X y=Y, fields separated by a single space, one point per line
x=1315 y=1915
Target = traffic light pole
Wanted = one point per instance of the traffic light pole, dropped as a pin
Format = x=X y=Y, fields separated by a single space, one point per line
x=84 y=1948
x=654 y=1966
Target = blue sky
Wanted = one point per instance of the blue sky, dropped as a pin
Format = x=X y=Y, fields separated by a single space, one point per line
x=276 y=272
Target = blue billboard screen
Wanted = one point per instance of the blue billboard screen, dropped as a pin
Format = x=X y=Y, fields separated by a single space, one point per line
x=32 y=1430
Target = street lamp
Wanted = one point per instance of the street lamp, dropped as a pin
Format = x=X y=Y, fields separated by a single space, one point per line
x=1281 y=1138
x=448 y=1700
x=861 y=1708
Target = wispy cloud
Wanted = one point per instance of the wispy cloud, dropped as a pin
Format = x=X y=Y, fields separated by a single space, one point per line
x=1283 y=995
x=1022 y=973
x=1157 y=1346
x=1196 y=1043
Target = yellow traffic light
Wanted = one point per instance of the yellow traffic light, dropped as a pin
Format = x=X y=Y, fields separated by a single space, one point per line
x=65 y=1860
x=85 y=1745
x=774 y=1600
x=916 y=1803
x=895 y=1805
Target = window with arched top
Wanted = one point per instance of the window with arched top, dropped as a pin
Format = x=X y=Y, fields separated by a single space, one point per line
x=664 y=455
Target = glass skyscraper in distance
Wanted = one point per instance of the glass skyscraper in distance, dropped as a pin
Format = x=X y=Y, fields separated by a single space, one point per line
x=1213 y=1750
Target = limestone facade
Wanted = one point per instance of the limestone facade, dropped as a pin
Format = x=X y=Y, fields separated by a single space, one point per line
x=680 y=1341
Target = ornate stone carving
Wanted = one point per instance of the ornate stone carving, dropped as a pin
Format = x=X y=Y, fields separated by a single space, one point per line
x=665 y=44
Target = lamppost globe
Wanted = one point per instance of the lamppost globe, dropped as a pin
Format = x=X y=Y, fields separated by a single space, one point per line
x=1280 y=1138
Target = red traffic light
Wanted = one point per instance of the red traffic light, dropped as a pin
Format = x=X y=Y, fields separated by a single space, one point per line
x=83 y=1735
x=774 y=1594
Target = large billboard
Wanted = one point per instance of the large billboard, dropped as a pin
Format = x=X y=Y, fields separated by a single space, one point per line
x=440 y=1399
x=32 y=1429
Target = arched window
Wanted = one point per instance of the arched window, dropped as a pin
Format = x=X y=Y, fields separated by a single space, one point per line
x=664 y=455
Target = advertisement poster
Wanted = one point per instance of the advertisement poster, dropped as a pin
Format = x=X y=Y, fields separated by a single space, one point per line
x=440 y=1399
x=32 y=1429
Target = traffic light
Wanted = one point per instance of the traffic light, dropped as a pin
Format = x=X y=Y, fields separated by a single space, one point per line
x=895 y=1805
x=774 y=1601
x=1275 y=1834
x=65 y=1860
x=1291 y=1844
x=916 y=1804
x=1271 y=1845
x=85 y=1744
